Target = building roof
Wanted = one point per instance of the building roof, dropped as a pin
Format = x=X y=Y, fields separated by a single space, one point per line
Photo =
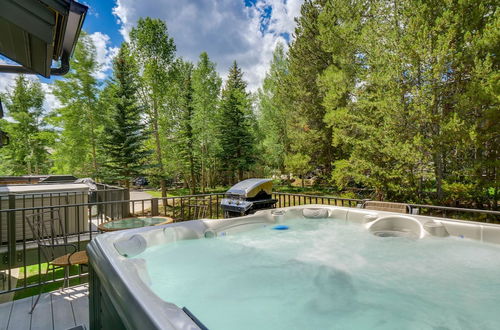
x=37 y=32
x=42 y=188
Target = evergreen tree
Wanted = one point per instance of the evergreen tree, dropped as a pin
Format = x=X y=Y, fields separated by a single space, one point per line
x=183 y=135
x=155 y=51
x=237 y=142
x=298 y=164
x=81 y=119
x=274 y=113
x=206 y=85
x=125 y=134
x=30 y=138
x=410 y=71
x=309 y=134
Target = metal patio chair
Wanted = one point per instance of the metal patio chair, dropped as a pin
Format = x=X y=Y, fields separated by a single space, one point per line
x=49 y=233
x=387 y=206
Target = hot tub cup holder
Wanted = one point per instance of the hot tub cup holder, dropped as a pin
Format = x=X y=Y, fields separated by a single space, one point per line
x=278 y=215
x=210 y=234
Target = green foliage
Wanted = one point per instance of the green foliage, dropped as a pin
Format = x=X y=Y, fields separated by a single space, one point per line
x=457 y=192
x=308 y=133
x=273 y=113
x=206 y=85
x=125 y=133
x=155 y=51
x=183 y=133
x=237 y=142
x=80 y=117
x=397 y=97
x=299 y=164
x=30 y=137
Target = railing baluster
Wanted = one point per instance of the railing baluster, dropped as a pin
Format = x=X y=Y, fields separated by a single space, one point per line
x=210 y=205
x=217 y=205
x=182 y=209
x=21 y=254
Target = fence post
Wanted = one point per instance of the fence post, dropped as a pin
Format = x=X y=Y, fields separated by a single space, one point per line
x=11 y=230
x=125 y=205
x=154 y=207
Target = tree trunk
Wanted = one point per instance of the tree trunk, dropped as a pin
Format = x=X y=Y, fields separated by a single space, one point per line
x=192 y=174
x=203 y=170
x=93 y=142
x=438 y=172
x=163 y=182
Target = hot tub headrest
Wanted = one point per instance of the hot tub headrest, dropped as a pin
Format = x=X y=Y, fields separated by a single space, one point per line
x=131 y=246
x=315 y=213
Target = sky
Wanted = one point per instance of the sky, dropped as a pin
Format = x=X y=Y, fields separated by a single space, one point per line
x=243 y=30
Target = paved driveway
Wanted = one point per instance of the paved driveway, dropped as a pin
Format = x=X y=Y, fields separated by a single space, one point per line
x=138 y=195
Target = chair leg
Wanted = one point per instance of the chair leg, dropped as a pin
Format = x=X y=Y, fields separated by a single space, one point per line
x=37 y=299
x=39 y=292
x=66 y=278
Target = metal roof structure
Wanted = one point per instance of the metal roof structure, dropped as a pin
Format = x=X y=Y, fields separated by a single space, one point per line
x=42 y=188
x=34 y=33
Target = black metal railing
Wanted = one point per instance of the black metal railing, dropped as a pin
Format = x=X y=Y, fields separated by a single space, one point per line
x=287 y=199
x=19 y=253
x=458 y=213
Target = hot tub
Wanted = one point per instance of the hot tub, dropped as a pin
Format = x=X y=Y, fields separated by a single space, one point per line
x=327 y=268
x=134 y=222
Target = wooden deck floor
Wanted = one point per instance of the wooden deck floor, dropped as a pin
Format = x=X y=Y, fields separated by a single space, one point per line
x=55 y=310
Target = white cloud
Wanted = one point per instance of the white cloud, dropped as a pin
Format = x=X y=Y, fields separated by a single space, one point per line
x=225 y=29
x=7 y=82
x=51 y=102
x=6 y=79
x=104 y=53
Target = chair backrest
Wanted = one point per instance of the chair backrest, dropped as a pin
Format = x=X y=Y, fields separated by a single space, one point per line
x=48 y=231
x=387 y=206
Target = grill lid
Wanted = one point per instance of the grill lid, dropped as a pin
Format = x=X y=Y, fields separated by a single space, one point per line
x=251 y=187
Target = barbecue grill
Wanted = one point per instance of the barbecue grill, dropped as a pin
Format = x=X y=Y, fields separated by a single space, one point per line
x=248 y=196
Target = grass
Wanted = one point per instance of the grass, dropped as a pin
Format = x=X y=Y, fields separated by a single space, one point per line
x=32 y=277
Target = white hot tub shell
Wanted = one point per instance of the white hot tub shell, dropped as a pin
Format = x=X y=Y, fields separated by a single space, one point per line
x=120 y=296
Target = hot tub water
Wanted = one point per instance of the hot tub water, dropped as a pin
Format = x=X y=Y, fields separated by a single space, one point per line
x=323 y=274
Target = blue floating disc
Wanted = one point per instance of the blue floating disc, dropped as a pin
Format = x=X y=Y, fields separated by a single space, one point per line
x=280 y=227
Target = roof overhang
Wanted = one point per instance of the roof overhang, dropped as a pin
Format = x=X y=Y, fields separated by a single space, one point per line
x=36 y=32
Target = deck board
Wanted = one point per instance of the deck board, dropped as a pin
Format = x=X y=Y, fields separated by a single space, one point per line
x=20 y=318
x=80 y=305
x=55 y=310
x=62 y=312
x=5 y=310
x=41 y=319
